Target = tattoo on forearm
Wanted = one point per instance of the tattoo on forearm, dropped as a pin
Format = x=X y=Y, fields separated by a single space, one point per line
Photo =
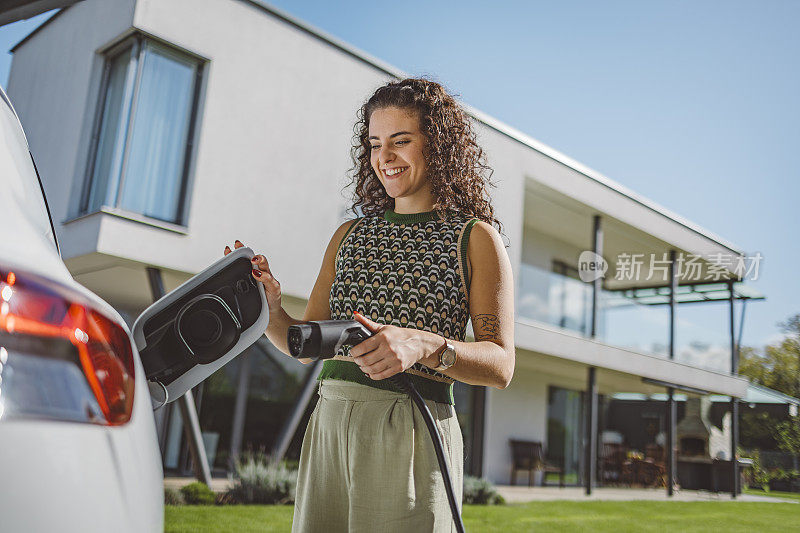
x=487 y=328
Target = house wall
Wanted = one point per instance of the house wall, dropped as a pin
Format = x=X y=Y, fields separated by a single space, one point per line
x=540 y=249
x=517 y=412
x=52 y=83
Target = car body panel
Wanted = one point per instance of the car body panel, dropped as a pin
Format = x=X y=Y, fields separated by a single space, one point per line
x=66 y=476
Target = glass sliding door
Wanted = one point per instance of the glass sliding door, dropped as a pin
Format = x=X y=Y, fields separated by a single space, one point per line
x=269 y=384
x=565 y=429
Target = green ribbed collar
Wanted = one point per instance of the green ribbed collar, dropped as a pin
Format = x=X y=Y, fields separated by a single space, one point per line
x=410 y=218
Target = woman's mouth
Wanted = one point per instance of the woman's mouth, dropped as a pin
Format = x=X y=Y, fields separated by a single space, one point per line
x=392 y=173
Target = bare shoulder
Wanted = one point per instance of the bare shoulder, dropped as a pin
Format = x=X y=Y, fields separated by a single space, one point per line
x=336 y=239
x=484 y=239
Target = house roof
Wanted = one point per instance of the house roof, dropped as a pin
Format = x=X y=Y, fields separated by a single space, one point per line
x=478 y=115
x=15 y=10
x=755 y=394
x=760 y=394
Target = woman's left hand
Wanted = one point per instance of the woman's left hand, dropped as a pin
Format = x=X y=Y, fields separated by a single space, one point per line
x=389 y=351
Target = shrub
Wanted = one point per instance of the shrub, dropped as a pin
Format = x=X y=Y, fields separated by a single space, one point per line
x=197 y=493
x=260 y=480
x=759 y=476
x=223 y=498
x=173 y=497
x=480 y=491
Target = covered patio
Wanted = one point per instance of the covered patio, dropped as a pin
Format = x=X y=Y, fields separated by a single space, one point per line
x=610 y=325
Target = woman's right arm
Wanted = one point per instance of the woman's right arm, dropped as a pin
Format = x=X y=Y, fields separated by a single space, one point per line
x=318 y=307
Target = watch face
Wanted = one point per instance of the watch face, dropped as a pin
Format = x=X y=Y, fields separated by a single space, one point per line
x=448 y=356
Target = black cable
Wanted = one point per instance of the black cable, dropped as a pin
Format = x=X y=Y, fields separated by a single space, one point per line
x=404 y=384
x=321 y=339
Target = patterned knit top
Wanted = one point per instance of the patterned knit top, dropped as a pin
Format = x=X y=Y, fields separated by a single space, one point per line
x=407 y=270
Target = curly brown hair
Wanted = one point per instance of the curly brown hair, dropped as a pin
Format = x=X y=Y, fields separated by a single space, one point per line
x=457 y=168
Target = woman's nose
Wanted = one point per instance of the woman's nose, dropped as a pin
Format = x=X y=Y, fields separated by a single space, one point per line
x=385 y=155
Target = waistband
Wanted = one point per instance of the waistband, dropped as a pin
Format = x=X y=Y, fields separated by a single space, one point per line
x=337 y=389
x=437 y=391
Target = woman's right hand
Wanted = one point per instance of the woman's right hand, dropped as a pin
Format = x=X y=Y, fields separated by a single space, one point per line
x=262 y=274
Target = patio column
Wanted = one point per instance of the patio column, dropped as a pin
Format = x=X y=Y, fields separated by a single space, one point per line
x=240 y=409
x=597 y=284
x=590 y=461
x=191 y=424
x=734 y=400
x=478 y=429
x=290 y=427
x=672 y=411
x=590 y=451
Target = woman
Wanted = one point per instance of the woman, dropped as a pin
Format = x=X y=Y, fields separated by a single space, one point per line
x=423 y=260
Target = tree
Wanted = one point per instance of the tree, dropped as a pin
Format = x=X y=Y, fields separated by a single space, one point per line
x=757 y=431
x=787 y=435
x=779 y=366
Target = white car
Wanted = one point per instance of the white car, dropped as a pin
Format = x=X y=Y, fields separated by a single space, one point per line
x=78 y=446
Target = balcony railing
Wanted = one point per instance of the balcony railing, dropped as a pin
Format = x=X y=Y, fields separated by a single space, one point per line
x=565 y=302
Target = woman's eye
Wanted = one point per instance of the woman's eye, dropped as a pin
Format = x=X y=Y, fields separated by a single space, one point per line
x=374 y=146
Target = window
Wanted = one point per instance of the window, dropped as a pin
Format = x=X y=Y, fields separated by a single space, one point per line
x=572 y=299
x=143 y=137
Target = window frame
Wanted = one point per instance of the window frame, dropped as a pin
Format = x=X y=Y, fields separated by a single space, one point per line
x=138 y=43
x=566 y=270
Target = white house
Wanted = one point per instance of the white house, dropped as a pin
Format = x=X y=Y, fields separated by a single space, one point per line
x=165 y=129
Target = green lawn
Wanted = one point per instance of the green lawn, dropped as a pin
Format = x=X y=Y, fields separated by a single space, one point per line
x=567 y=516
x=774 y=494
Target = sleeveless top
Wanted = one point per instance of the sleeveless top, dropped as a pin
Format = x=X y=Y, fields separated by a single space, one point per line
x=407 y=270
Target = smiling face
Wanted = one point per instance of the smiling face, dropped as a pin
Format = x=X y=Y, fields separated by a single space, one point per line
x=398 y=159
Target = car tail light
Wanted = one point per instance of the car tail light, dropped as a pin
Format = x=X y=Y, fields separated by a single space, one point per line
x=60 y=358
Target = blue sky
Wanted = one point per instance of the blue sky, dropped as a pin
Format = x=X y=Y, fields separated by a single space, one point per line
x=691 y=104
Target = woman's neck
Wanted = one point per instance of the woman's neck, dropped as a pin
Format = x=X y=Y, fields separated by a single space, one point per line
x=413 y=205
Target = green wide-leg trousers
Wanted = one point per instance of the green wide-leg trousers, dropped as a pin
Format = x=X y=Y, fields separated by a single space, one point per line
x=368 y=464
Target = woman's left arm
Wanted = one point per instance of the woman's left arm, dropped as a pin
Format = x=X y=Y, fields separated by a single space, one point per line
x=487 y=361
x=490 y=359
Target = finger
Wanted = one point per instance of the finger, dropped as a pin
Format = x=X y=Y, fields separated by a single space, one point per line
x=238 y=244
x=379 y=366
x=369 y=358
x=389 y=372
x=270 y=283
x=260 y=262
x=369 y=324
x=366 y=346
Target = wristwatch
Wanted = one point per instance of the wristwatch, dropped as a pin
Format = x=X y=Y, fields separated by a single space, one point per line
x=447 y=357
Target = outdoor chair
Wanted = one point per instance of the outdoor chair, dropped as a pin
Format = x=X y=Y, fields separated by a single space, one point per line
x=654 y=452
x=612 y=461
x=529 y=455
